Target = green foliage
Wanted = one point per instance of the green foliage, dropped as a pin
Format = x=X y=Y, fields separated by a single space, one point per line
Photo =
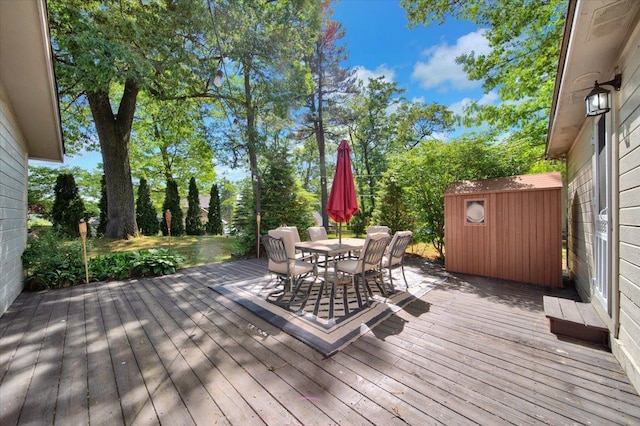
x=38 y=223
x=172 y=203
x=42 y=181
x=284 y=202
x=193 y=221
x=68 y=207
x=51 y=261
x=524 y=37
x=432 y=166
x=330 y=85
x=358 y=223
x=371 y=131
x=104 y=208
x=146 y=214
x=244 y=223
x=169 y=136
x=214 y=220
x=228 y=192
x=119 y=266
x=391 y=207
x=40 y=194
x=106 y=54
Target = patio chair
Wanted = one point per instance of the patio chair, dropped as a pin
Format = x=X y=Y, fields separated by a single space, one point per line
x=368 y=262
x=296 y=237
x=378 y=228
x=394 y=255
x=280 y=248
x=317 y=233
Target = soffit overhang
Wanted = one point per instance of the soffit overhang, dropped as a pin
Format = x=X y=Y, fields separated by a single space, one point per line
x=595 y=32
x=27 y=75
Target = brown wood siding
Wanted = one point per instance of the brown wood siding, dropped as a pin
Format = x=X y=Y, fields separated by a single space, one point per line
x=521 y=239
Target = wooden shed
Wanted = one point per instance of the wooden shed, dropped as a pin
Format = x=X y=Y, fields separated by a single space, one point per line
x=509 y=228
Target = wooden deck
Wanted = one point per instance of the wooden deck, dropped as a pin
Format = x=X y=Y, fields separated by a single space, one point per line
x=169 y=350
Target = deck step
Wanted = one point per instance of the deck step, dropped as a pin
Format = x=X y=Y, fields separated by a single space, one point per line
x=576 y=320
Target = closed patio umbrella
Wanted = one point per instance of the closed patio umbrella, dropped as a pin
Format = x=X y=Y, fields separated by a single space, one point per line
x=342 y=203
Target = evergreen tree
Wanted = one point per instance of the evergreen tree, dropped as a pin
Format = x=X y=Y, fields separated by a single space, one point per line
x=244 y=220
x=284 y=202
x=193 y=221
x=146 y=215
x=68 y=207
x=104 y=208
x=214 y=219
x=172 y=203
x=391 y=208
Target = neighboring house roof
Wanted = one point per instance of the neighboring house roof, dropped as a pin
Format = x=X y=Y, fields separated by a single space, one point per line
x=593 y=38
x=507 y=184
x=27 y=74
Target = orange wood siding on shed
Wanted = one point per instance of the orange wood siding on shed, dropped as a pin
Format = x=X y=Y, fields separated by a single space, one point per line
x=521 y=239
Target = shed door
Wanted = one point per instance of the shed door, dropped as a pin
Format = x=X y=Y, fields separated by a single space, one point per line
x=602 y=188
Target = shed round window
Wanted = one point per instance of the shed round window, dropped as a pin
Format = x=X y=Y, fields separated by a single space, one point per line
x=475 y=212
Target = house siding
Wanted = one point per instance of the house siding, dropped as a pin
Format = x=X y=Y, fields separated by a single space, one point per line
x=13 y=204
x=580 y=212
x=627 y=345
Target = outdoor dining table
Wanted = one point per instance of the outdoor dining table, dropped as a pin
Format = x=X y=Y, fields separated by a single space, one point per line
x=330 y=248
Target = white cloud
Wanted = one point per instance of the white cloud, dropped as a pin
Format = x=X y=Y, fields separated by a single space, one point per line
x=365 y=75
x=441 y=68
x=486 y=99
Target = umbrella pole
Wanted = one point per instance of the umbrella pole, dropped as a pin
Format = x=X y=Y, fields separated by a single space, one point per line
x=340 y=233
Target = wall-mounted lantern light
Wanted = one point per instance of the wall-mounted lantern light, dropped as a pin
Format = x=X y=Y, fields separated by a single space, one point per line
x=598 y=101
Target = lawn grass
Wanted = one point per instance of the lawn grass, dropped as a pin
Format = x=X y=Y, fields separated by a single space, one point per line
x=196 y=250
x=201 y=250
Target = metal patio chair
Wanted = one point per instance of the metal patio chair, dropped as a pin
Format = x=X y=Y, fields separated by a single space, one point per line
x=394 y=255
x=367 y=263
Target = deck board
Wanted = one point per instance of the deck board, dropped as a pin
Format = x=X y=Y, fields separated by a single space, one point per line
x=276 y=364
x=71 y=408
x=169 y=350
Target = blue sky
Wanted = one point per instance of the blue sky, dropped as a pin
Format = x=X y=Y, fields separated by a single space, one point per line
x=379 y=42
x=421 y=60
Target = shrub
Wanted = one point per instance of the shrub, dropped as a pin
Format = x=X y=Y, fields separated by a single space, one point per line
x=172 y=203
x=146 y=215
x=145 y=263
x=193 y=221
x=68 y=207
x=53 y=262
x=214 y=223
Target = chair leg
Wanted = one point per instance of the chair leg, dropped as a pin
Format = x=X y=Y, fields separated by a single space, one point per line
x=365 y=287
x=406 y=283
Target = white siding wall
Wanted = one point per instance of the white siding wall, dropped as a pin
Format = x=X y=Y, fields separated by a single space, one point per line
x=580 y=214
x=627 y=347
x=13 y=204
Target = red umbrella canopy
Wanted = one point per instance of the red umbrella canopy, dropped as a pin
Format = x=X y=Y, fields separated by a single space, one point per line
x=342 y=203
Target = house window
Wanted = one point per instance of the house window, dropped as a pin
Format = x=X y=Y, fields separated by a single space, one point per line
x=475 y=212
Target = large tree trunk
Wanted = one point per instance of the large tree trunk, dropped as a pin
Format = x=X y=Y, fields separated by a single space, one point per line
x=319 y=131
x=114 y=132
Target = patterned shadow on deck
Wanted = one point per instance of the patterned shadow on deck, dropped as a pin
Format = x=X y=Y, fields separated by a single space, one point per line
x=327 y=320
